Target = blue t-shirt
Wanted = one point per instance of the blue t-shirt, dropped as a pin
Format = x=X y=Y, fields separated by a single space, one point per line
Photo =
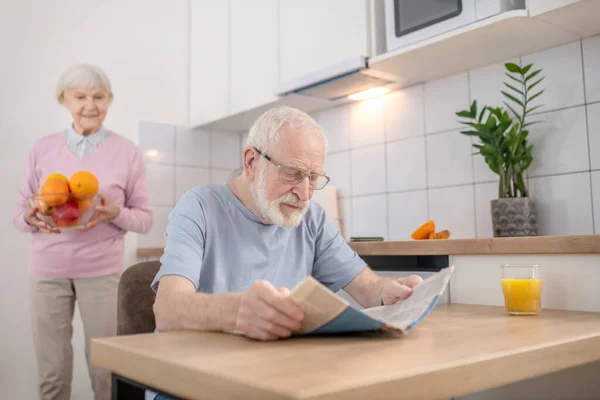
x=217 y=243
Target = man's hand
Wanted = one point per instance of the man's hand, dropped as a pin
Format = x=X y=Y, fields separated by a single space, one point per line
x=267 y=313
x=399 y=289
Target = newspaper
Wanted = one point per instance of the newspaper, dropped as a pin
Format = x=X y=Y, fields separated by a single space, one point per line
x=325 y=312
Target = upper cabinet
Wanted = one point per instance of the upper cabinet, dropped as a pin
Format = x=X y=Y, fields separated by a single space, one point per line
x=254 y=53
x=209 y=60
x=537 y=7
x=314 y=34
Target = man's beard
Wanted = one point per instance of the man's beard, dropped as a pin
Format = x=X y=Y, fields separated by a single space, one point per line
x=271 y=211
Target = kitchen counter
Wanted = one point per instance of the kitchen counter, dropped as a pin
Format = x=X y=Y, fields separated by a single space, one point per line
x=579 y=244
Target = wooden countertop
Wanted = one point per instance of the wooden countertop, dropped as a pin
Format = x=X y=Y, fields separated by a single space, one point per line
x=461 y=348
x=580 y=244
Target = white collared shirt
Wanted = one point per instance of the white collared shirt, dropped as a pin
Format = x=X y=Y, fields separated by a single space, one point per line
x=83 y=146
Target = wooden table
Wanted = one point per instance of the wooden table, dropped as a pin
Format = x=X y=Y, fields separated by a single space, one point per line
x=458 y=349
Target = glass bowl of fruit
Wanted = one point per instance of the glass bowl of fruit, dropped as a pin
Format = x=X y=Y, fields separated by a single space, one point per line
x=67 y=203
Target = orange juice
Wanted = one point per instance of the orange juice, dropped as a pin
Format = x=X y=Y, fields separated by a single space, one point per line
x=522 y=296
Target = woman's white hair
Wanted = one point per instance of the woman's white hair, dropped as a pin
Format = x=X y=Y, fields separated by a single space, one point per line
x=265 y=132
x=83 y=76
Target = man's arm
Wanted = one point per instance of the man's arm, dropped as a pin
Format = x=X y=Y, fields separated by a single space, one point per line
x=370 y=289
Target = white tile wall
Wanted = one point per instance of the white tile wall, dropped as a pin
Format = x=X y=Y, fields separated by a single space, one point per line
x=404 y=113
x=452 y=209
x=563 y=70
x=564 y=204
x=155 y=238
x=337 y=167
x=596 y=199
x=449 y=160
x=560 y=142
x=187 y=178
x=156 y=142
x=484 y=194
x=161 y=184
x=369 y=216
x=443 y=98
x=192 y=147
x=406 y=212
x=486 y=83
x=368 y=170
x=335 y=123
x=591 y=62
x=406 y=165
x=220 y=176
x=593 y=117
x=225 y=150
x=366 y=122
x=345 y=210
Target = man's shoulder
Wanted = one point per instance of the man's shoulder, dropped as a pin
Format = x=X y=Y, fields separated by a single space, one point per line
x=203 y=194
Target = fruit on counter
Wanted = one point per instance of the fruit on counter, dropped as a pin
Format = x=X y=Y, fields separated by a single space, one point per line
x=67 y=215
x=83 y=185
x=424 y=231
x=445 y=234
x=55 y=192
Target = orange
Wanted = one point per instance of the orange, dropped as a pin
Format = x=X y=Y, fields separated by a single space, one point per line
x=55 y=192
x=83 y=184
x=424 y=231
x=58 y=176
x=84 y=205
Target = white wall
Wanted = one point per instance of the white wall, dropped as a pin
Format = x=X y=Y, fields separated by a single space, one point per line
x=400 y=160
x=142 y=45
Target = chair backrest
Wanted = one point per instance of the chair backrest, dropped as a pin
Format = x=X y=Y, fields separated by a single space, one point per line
x=136 y=298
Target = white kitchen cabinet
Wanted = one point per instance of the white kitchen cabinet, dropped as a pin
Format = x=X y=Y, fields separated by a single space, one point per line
x=314 y=34
x=537 y=7
x=254 y=53
x=209 y=61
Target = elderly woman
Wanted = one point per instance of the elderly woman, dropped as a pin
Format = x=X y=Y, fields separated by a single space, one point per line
x=82 y=265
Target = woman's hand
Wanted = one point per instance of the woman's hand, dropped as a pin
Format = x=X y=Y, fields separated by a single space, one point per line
x=106 y=211
x=32 y=219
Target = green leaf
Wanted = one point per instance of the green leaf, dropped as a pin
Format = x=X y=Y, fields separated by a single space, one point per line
x=513 y=98
x=534 y=73
x=536 y=95
x=471 y=133
x=531 y=123
x=516 y=114
x=514 y=88
x=534 y=108
x=513 y=78
x=526 y=69
x=464 y=114
x=474 y=109
x=512 y=67
x=481 y=114
x=535 y=83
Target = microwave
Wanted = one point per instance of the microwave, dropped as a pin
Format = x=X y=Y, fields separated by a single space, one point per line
x=410 y=21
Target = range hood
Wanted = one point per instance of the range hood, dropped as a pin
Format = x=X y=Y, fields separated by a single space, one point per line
x=337 y=82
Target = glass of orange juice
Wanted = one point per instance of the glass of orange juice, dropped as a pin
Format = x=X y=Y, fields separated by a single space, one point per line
x=522 y=288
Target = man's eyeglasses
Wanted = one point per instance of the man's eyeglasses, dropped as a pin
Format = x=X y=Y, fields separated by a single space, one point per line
x=294 y=176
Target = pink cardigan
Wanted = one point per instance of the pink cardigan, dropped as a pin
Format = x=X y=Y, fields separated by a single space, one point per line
x=120 y=170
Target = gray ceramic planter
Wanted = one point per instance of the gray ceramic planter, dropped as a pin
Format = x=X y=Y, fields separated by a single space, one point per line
x=514 y=217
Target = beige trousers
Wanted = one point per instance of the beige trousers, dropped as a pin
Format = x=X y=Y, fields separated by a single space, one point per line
x=52 y=305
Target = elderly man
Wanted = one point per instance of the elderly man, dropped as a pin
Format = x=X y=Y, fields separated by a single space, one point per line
x=233 y=251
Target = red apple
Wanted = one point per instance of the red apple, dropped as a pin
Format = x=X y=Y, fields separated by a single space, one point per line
x=67 y=215
x=43 y=207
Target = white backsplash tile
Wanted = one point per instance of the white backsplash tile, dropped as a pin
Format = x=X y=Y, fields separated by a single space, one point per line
x=345 y=206
x=406 y=166
x=192 y=147
x=591 y=63
x=156 y=142
x=404 y=113
x=593 y=117
x=449 y=160
x=443 y=98
x=564 y=76
x=596 y=199
x=337 y=167
x=406 y=212
x=453 y=209
x=486 y=83
x=484 y=194
x=335 y=122
x=155 y=238
x=220 y=176
x=368 y=170
x=225 y=150
x=369 y=216
x=564 y=204
x=187 y=178
x=366 y=122
x=161 y=184
x=560 y=142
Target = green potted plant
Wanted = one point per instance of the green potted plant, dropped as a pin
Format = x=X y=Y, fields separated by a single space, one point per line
x=503 y=142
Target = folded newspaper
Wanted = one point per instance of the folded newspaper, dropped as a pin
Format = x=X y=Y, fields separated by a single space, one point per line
x=326 y=313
